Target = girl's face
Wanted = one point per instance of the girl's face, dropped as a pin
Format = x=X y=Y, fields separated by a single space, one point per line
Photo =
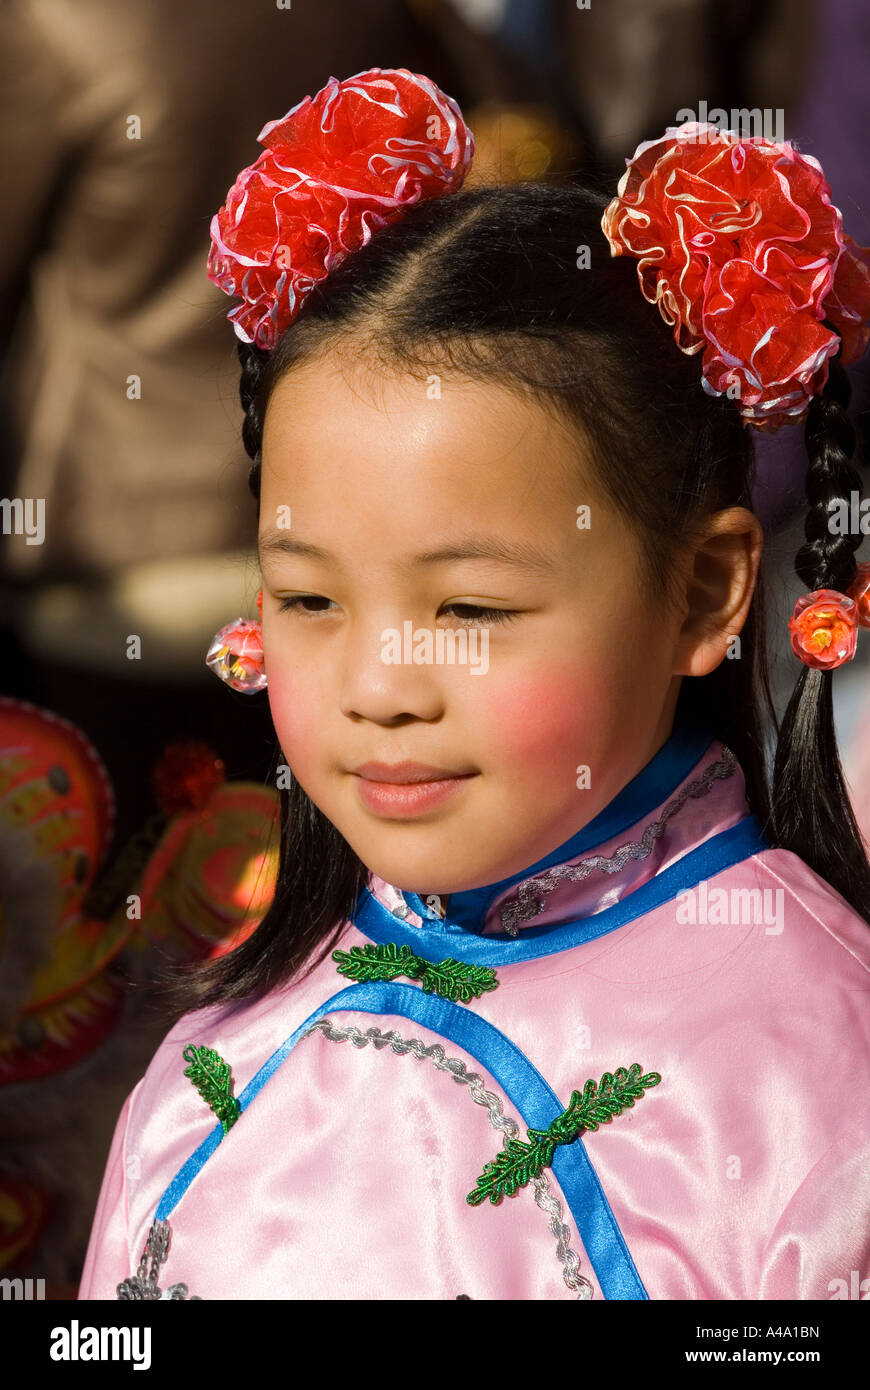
x=390 y=515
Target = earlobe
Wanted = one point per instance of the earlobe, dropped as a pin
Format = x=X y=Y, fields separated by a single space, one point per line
x=700 y=656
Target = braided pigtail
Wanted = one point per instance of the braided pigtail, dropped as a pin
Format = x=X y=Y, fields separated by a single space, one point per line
x=812 y=811
x=253 y=361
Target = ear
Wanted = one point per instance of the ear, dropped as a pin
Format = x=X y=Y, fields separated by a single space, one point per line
x=721 y=571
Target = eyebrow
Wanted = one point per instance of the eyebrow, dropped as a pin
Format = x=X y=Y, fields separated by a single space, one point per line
x=518 y=554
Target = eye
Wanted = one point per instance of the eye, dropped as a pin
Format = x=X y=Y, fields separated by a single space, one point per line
x=468 y=614
x=296 y=602
x=482 y=617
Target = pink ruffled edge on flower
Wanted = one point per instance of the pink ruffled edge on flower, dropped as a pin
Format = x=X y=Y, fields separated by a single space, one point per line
x=768 y=403
x=296 y=161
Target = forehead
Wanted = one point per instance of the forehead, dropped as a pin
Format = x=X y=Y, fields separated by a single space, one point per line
x=389 y=475
x=444 y=443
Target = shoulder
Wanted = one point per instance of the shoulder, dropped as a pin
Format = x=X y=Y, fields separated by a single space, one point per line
x=800 y=973
x=787 y=957
x=244 y=1033
x=817 y=919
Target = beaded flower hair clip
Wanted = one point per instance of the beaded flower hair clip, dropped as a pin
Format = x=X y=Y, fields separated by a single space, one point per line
x=737 y=242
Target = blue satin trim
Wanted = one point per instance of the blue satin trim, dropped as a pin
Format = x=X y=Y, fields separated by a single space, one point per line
x=645 y=792
x=521 y=1082
x=434 y=939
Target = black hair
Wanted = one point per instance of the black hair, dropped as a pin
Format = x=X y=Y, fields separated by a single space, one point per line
x=490 y=283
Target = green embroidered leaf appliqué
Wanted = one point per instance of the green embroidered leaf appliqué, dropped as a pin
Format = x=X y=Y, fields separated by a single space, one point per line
x=515 y=1166
x=210 y=1075
x=518 y=1163
x=450 y=979
x=365 y=963
x=453 y=980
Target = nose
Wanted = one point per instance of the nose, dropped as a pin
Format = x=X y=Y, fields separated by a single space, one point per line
x=387 y=690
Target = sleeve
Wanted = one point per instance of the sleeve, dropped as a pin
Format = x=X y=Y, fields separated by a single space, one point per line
x=107 y=1261
x=820 y=1247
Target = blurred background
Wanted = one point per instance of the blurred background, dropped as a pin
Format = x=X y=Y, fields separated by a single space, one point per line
x=136 y=801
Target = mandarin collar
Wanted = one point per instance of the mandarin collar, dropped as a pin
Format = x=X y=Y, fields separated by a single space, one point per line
x=692 y=789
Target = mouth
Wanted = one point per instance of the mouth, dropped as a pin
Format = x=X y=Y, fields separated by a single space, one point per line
x=399 y=791
x=406 y=774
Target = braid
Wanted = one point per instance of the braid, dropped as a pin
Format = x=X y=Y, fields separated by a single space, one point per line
x=812 y=810
x=827 y=561
x=253 y=360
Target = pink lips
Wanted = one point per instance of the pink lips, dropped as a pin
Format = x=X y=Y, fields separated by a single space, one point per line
x=407 y=789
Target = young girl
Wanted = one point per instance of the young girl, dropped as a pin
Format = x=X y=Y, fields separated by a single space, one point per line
x=514 y=648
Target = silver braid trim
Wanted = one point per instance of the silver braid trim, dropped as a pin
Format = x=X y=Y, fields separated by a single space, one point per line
x=143 y=1284
x=508 y=1127
x=531 y=893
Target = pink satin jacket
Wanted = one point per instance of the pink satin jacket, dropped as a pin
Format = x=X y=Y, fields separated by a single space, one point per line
x=706 y=993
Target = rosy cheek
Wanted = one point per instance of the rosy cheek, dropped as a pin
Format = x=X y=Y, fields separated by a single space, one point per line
x=294 y=712
x=543 y=719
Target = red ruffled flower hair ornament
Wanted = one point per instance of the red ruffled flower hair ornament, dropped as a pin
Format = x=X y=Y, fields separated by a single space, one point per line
x=741 y=248
x=338 y=166
x=739 y=244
